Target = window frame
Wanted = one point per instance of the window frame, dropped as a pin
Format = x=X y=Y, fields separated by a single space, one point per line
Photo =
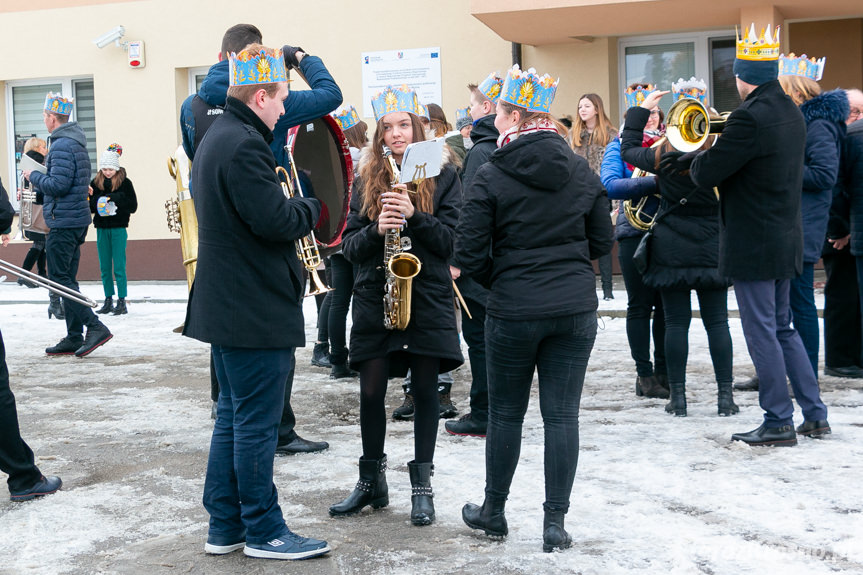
x=702 y=55
x=193 y=75
x=67 y=88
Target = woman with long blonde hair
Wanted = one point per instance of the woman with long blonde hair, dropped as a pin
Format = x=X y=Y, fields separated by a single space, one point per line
x=426 y=215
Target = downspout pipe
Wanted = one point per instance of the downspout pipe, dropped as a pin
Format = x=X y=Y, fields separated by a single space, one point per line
x=516 y=54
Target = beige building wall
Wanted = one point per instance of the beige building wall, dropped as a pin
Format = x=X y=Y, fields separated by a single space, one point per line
x=140 y=107
x=840 y=41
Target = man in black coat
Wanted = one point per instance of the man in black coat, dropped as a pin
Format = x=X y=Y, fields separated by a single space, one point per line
x=484 y=137
x=16 y=458
x=757 y=164
x=246 y=302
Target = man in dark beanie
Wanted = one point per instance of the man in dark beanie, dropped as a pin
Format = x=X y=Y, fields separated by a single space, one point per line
x=757 y=165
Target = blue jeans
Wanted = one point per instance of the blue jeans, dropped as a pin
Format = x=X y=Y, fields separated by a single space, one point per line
x=558 y=349
x=238 y=491
x=63 y=248
x=777 y=352
x=804 y=314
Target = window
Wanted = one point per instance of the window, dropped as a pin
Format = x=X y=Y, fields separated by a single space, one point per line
x=26 y=100
x=664 y=59
x=196 y=76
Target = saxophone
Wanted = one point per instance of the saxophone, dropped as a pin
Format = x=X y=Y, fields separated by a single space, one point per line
x=400 y=268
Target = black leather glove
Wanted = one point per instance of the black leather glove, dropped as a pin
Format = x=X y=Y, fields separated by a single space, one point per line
x=290 y=55
x=674 y=162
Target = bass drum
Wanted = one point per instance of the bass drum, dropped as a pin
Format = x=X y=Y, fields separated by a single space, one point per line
x=323 y=162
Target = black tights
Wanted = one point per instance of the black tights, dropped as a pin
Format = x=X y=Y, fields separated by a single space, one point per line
x=373 y=417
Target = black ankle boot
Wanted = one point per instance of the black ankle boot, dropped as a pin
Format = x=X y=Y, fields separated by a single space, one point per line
x=321 y=355
x=108 y=306
x=422 y=496
x=55 y=308
x=341 y=370
x=120 y=309
x=649 y=386
x=677 y=405
x=554 y=536
x=489 y=517
x=371 y=489
x=725 y=400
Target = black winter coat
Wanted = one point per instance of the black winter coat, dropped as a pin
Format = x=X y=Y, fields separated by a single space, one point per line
x=685 y=246
x=825 y=116
x=853 y=177
x=432 y=330
x=757 y=164
x=249 y=284
x=534 y=216
x=7 y=212
x=123 y=197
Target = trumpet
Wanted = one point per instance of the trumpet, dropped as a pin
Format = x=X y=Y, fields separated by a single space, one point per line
x=307 y=247
x=51 y=286
x=689 y=125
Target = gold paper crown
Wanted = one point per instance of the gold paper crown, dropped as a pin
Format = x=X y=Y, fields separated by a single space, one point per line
x=762 y=48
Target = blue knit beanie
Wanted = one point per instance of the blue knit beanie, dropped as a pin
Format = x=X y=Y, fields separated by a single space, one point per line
x=756 y=72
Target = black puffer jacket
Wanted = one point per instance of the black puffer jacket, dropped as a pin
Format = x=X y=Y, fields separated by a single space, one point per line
x=534 y=216
x=432 y=329
x=685 y=249
x=123 y=197
x=853 y=177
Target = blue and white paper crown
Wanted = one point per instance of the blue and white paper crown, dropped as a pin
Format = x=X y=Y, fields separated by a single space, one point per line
x=635 y=96
x=400 y=99
x=491 y=87
x=267 y=67
x=810 y=68
x=346 y=116
x=57 y=104
x=527 y=89
x=462 y=114
x=692 y=88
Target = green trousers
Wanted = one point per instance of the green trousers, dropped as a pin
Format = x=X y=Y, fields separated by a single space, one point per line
x=112 y=259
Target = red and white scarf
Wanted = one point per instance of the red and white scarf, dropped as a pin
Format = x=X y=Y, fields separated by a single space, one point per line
x=532 y=127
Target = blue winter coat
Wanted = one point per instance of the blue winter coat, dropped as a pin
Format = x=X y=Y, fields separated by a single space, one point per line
x=618 y=182
x=825 y=131
x=67 y=180
x=853 y=177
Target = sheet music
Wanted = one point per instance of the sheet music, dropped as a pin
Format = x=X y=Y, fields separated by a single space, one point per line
x=28 y=163
x=422 y=160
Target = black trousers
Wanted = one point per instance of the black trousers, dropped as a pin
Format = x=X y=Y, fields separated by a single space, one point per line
x=473 y=331
x=642 y=301
x=342 y=282
x=16 y=457
x=64 y=253
x=842 y=337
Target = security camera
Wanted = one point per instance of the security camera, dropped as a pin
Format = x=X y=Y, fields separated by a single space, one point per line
x=113 y=35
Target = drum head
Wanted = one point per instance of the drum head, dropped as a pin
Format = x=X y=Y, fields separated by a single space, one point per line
x=323 y=161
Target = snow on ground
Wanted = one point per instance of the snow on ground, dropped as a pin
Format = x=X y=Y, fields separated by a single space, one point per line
x=128 y=430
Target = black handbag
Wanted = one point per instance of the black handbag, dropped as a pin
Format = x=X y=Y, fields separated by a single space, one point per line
x=641 y=255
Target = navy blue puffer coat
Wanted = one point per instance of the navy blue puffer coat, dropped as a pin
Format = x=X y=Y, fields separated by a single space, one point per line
x=65 y=184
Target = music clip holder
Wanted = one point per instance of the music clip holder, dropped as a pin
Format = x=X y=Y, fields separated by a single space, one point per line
x=421 y=160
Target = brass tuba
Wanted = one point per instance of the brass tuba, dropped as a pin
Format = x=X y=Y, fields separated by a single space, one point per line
x=634 y=212
x=181 y=212
x=307 y=247
x=401 y=268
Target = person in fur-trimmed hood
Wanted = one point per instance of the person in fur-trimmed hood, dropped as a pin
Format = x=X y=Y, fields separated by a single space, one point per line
x=427 y=215
x=825 y=115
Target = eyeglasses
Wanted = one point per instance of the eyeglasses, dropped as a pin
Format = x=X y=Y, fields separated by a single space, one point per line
x=856 y=112
x=654 y=112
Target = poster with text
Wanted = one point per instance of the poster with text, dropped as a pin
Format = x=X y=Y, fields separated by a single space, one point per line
x=419 y=68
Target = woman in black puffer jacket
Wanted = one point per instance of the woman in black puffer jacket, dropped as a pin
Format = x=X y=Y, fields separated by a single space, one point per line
x=534 y=217
x=684 y=256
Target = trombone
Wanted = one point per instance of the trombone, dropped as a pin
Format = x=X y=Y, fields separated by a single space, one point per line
x=689 y=124
x=52 y=286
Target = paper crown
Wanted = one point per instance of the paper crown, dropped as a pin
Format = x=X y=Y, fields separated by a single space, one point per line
x=808 y=68
x=400 y=99
x=425 y=112
x=692 y=88
x=267 y=67
x=57 y=104
x=105 y=207
x=763 y=48
x=463 y=118
x=346 y=116
x=527 y=89
x=635 y=96
x=491 y=86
